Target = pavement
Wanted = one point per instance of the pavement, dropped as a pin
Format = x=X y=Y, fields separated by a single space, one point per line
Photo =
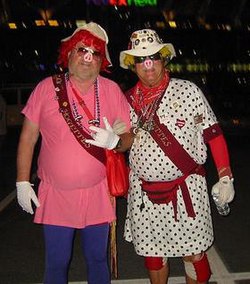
x=22 y=248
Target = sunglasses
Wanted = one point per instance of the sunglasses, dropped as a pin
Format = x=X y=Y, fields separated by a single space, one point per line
x=81 y=51
x=141 y=59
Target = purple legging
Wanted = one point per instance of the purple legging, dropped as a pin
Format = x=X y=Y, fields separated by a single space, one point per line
x=59 y=244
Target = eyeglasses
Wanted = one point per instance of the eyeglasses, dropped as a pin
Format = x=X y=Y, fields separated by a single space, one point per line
x=81 y=51
x=141 y=59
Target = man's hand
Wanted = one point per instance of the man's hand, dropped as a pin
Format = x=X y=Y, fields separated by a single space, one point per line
x=104 y=138
x=225 y=190
x=119 y=127
x=26 y=194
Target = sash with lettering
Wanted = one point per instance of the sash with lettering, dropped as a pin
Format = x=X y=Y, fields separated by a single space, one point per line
x=79 y=133
x=165 y=192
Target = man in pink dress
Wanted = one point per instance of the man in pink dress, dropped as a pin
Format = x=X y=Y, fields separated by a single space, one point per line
x=73 y=191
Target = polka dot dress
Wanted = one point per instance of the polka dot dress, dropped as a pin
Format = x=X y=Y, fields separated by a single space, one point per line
x=153 y=229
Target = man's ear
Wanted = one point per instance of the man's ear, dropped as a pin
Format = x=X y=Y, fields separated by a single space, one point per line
x=69 y=53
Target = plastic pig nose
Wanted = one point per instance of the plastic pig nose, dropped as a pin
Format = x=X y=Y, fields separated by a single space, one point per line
x=148 y=63
x=88 y=57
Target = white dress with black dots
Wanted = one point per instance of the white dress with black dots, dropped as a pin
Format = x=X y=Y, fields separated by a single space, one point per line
x=153 y=230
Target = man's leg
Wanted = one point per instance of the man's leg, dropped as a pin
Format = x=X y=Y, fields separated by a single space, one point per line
x=58 y=250
x=94 y=244
x=197 y=269
x=158 y=269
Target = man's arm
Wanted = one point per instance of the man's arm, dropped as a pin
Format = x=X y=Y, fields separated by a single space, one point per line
x=25 y=193
x=224 y=187
x=125 y=142
x=27 y=141
x=220 y=155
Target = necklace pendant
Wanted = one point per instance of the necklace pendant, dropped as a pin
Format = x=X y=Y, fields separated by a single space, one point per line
x=150 y=126
x=140 y=124
x=95 y=122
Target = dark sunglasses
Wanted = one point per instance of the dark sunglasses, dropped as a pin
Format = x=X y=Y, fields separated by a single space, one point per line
x=81 y=51
x=141 y=59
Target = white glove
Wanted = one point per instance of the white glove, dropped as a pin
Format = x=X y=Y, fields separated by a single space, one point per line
x=224 y=189
x=104 y=138
x=119 y=127
x=26 y=194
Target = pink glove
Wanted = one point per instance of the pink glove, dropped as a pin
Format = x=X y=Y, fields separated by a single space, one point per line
x=26 y=194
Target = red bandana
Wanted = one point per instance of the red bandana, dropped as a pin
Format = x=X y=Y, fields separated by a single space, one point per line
x=145 y=95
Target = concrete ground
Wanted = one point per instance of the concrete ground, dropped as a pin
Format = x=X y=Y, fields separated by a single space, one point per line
x=21 y=243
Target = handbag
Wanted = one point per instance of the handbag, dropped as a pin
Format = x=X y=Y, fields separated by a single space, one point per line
x=117 y=173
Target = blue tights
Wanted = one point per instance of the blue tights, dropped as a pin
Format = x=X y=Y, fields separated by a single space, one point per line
x=59 y=244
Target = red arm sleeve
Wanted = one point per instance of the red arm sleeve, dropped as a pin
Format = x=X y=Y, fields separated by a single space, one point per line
x=220 y=155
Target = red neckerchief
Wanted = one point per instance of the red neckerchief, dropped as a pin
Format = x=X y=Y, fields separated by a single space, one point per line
x=144 y=95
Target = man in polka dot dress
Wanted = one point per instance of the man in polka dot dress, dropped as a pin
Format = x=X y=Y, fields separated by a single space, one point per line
x=168 y=203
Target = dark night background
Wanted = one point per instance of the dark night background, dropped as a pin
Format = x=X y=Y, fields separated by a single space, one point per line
x=212 y=42
x=211 y=38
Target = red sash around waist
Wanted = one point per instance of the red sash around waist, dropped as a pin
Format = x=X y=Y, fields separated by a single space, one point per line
x=164 y=192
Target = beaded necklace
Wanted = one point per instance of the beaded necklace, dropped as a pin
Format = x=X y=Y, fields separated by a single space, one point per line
x=145 y=119
x=92 y=119
x=146 y=102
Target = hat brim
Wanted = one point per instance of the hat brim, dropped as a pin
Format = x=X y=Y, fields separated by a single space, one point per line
x=145 y=52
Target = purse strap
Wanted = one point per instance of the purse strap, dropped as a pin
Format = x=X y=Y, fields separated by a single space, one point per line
x=64 y=108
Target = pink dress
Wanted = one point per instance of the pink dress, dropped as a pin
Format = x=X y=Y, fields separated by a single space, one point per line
x=73 y=191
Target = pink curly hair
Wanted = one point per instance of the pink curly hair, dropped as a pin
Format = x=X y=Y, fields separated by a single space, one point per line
x=87 y=38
